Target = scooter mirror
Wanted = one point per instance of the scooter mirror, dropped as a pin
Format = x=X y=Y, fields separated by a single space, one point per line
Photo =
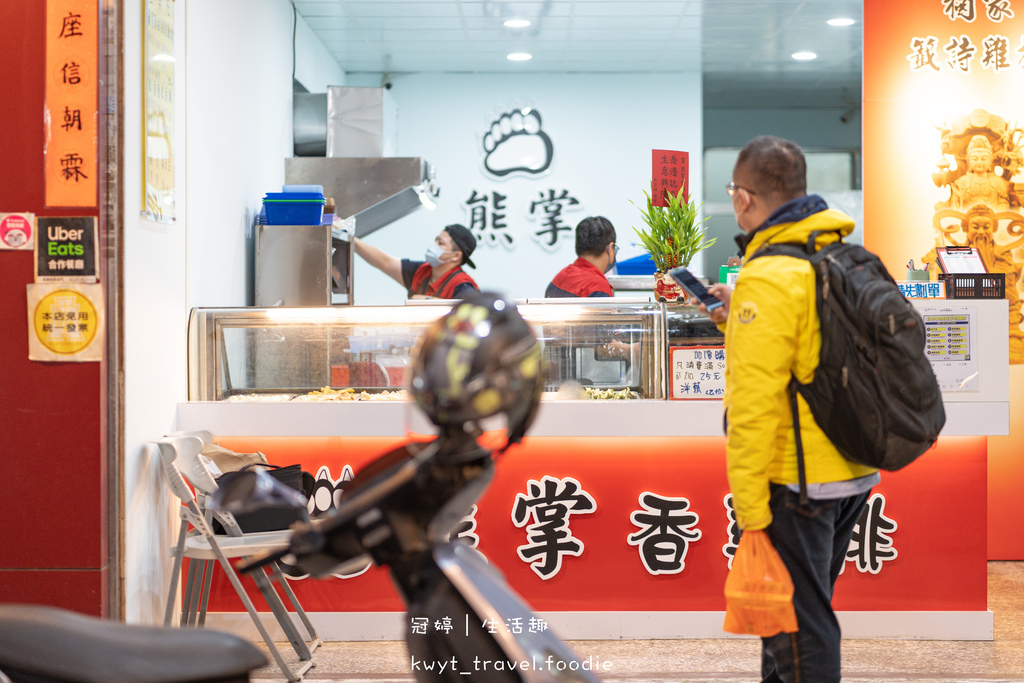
x=253 y=490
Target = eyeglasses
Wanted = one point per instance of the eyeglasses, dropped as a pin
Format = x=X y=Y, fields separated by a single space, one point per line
x=731 y=188
x=616 y=247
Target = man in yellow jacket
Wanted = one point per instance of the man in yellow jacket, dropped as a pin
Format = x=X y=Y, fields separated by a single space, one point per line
x=771 y=330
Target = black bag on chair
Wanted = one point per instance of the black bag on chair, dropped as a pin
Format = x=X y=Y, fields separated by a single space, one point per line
x=270 y=518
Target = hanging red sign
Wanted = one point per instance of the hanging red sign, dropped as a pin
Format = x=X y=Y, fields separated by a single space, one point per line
x=670 y=171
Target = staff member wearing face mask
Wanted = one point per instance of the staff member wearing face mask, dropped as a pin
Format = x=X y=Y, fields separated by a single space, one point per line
x=440 y=276
x=595 y=247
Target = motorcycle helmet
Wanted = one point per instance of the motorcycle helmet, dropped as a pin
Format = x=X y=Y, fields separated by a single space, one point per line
x=478 y=360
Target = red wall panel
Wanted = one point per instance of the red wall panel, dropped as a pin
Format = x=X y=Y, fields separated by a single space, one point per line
x=51 y=430
x=82 y=590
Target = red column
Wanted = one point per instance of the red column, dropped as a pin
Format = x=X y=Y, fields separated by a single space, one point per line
x=53 y=482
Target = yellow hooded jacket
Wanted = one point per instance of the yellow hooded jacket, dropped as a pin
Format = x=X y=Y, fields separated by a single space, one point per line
x=772 y=331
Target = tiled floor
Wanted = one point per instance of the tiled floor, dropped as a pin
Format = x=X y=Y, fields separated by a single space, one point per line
x=733 y=661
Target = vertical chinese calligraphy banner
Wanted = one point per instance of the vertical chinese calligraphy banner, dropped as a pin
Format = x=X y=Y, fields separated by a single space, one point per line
x=70 y=112
x=158 y=142
x=942 y=166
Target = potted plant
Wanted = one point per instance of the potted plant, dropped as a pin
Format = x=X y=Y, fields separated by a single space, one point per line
x=673 y=237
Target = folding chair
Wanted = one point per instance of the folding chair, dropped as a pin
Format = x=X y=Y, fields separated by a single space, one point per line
x=181 y=460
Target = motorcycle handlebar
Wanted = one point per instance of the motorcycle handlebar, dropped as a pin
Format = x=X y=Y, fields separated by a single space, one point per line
x=263 y=559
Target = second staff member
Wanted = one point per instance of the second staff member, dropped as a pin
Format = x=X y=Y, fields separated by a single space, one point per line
x=595 y=247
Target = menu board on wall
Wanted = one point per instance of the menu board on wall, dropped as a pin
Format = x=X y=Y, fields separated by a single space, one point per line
x=70 y=112
x=951 y=343
x=698 y=372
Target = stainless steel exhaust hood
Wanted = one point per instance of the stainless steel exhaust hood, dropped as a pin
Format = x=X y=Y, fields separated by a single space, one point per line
x=376 y=190
x=354 y=128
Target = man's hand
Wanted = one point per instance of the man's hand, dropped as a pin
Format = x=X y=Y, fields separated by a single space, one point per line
x=721 y=313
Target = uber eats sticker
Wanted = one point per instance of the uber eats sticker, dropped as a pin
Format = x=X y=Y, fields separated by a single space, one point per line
x=66 y=249
x=65 y=322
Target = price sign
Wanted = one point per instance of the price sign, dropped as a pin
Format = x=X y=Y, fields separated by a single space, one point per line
x=697 y=372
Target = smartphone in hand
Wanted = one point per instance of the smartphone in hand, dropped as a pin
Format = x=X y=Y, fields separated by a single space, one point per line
x=694 y=288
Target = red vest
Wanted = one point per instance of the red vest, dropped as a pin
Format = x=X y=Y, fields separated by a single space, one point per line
x=582 y=278
x=443 y=288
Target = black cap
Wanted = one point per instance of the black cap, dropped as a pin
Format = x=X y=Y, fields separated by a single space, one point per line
x=464 y=240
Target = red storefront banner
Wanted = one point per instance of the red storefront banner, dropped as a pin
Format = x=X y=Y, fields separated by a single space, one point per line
x=653 y=527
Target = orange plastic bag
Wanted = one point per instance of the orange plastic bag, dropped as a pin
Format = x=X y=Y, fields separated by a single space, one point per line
x=758 y=590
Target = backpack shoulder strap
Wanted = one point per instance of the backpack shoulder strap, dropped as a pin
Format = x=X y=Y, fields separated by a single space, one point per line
x=805 y=251
x=793 y=249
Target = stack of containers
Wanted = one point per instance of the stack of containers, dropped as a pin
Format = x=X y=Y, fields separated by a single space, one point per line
x=294 y=205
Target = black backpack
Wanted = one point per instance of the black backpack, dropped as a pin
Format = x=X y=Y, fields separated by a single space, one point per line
x=874 y=393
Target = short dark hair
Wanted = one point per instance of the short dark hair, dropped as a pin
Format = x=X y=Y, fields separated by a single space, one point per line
x=593 y=235
x=775 y=167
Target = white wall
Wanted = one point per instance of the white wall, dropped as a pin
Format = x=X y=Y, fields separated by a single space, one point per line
x=603 y=128
x=239 y=113
x=315 y=68
x=155 y=317
x=233 y=130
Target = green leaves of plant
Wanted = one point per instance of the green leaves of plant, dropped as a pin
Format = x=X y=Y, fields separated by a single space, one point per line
x=673 y=235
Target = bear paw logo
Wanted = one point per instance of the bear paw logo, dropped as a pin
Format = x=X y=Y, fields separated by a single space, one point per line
x=516 y=143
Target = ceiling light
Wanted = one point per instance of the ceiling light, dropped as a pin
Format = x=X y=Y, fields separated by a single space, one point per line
x=841 y=21
x=517 y=23
x=520 y=56
x=804 y=56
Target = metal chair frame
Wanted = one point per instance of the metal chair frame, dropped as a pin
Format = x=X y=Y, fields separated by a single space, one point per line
x=183 y=465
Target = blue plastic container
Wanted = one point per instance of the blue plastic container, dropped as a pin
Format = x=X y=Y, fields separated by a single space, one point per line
x=294 y=213
x=294 y=208
x=638 y=265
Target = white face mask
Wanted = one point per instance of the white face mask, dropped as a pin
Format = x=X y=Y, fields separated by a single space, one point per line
x=433 y=255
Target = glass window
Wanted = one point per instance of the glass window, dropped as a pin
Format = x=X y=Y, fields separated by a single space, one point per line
x=835 y=174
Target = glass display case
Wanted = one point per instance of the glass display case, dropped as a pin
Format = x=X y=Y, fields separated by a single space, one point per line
x=595 y=350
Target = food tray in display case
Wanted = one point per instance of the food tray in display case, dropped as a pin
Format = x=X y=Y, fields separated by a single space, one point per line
x=593 y=350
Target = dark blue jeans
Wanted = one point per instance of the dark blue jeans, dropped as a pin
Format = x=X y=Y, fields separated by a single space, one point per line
x=812 y=543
